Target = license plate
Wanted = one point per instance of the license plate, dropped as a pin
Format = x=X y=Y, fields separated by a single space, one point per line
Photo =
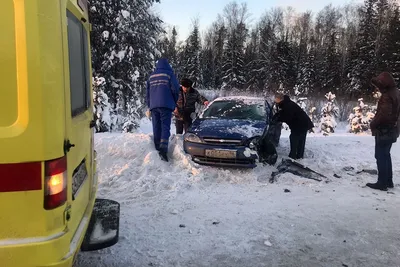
x=78 y=178
x=223 y=154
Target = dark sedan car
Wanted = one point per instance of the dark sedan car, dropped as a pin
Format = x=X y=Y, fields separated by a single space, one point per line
x=223 y=134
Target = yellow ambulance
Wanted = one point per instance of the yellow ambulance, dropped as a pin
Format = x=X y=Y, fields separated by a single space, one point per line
x=48 y=205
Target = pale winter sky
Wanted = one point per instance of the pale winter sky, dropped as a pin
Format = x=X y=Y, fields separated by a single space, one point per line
x=181 y=12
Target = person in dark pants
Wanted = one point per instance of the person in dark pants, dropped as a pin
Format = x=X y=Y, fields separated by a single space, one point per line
x=297 y=120
x=385 y=128
x=186 y=105
x=162 y=95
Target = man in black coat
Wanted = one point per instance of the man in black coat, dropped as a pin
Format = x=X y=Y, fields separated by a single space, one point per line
x=186 y=105
x=297 y=120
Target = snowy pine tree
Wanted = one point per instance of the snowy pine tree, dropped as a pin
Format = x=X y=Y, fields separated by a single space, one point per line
x=102 y=107
x=392 y=56
x=124 y=40
x=363 y=63
x=219 y=36
x=234 y=69
x=172 y=53
x=250 y=61
x=262 y=70
x=191 y=63
x=306 y=80
x=329 y=113
x=208 y=64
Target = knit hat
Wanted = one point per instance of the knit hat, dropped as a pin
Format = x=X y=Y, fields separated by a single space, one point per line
x=185 y=82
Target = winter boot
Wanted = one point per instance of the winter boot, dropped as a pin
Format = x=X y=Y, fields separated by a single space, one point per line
x=163 y=156
x=377 y=186
x=390 y=184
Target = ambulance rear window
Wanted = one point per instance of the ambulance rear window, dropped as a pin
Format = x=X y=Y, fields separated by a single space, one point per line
x=78 y=65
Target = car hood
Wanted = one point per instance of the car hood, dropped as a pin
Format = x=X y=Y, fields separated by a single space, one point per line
x=229 y=129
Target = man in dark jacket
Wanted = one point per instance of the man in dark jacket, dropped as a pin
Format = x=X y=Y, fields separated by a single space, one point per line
x=162 y=95
x=186 y=105
x=297 y=120
x=385 y=128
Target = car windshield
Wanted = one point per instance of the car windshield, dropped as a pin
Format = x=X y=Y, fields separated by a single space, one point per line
x=236 y=109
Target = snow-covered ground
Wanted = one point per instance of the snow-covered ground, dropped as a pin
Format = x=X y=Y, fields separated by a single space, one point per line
x=183 y=214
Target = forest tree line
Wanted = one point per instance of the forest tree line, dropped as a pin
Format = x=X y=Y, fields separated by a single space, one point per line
x=337 y=49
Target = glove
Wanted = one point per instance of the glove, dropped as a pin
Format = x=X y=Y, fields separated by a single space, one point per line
x=148 y=113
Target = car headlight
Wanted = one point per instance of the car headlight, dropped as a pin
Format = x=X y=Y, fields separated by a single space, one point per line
x=189 y=137
x=254 y=143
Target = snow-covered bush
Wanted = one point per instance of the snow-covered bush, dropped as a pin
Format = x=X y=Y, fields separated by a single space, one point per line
x=360 y=119
x=102 y=107
x=329 y=113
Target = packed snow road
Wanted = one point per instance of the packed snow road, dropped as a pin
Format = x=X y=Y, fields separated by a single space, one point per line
x=183 y=214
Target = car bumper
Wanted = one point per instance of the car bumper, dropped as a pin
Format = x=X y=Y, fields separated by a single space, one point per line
x=40 y=252
x=58 y=250
x=244 y=159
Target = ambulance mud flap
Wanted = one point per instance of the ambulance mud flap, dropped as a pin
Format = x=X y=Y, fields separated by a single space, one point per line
x=103 y=229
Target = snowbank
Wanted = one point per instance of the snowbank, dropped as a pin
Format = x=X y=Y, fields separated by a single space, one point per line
x=183 y=214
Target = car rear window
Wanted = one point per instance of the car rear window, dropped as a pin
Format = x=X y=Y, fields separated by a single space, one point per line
x=78 y=65
x=239 y=110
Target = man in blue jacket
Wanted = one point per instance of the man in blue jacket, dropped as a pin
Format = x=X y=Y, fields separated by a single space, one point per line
x=162 y=95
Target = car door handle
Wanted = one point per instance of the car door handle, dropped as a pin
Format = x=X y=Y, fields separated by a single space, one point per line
x=67 y=146
x=92 y=124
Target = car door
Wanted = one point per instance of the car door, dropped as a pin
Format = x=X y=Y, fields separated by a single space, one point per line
x=79 y=141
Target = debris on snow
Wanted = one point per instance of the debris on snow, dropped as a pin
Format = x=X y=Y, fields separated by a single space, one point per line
x=268 y=243
x=348 y=169
x=175 y=212
x=372 y=172
x=286 y=191
x=298 y=169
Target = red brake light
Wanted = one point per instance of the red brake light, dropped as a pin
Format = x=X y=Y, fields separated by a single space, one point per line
x=55 y=189
x=18 y=177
